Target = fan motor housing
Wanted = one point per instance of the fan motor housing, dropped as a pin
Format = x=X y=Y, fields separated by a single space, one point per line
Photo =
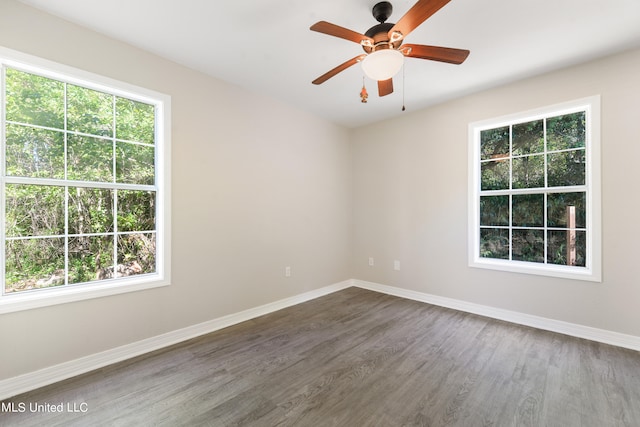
x=380 y=28
x=380 y=35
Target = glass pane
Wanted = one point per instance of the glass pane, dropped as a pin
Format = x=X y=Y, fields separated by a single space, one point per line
x=494 y=243
x=36 y=153
x=135 y=163
x=90 y=210
x=136 y=210
x=89 y=111
x=528 y=245
x=34 y=210
x=494 y=210
x=136 y=254
x=566 y=131
x=90 y=258
x=528 y=210
x=528 y=172
x=494 y=143
x=89 y=159
x=34 y=100
x=528 y=138
x=135 y=121
x=495 y=175
x=34 y=263
x=567 y=247
x=559 y=211
x=566 y=168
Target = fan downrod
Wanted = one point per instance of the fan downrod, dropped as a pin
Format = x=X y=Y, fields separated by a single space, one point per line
x=382 y=11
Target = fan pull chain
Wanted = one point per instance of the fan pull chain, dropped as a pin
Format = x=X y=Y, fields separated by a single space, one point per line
x=363 y=93
x=403 y=79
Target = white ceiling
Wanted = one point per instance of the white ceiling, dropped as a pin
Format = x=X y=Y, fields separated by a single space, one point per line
x=266 y=45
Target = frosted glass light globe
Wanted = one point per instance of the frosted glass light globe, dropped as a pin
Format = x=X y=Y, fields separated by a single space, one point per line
x=382 y=64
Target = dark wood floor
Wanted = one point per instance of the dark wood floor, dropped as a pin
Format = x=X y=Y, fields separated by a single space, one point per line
x=357 y=358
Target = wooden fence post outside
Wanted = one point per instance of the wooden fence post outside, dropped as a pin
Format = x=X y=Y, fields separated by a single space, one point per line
x=571 y=235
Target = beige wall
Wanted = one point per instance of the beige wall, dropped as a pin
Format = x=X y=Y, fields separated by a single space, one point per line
x=257 y=186
x=410 y=200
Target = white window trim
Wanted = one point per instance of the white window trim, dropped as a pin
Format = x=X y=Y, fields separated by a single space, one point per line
x=162 y=277
x=593 y=269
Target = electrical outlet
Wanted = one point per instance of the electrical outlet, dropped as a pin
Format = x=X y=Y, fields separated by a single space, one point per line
x=396 y=265
x=287 y=272
x=370 y=262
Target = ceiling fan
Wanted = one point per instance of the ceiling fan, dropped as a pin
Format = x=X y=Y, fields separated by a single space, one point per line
x=383 y=44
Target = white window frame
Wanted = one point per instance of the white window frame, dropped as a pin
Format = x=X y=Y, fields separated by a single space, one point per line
x=592 y=271
x=25 y=300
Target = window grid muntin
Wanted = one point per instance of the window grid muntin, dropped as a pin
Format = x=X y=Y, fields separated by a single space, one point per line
x=66 y=183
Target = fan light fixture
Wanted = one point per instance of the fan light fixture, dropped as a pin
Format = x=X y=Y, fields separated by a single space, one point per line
x=382 y=64
x=383 y=44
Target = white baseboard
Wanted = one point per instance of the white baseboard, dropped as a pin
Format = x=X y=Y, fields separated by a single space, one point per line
x=32 y=380
x=600 y=335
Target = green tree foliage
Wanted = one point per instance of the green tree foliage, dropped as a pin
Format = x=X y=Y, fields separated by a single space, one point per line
x=61 y=228
x=34 y=100
x=537 y=155
x=494 y=144
x=494 y=210
x=135 y=121
x=33 y=152
x=132 y=163
x=89 y=111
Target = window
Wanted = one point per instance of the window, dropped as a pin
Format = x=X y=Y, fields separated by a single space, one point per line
x=84 y=185
x=535 y=192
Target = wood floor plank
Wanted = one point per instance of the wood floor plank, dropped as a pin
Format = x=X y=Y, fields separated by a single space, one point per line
x=358 y=358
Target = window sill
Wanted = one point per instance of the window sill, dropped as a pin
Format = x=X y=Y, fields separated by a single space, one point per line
x=561 y=271
x=27 y=300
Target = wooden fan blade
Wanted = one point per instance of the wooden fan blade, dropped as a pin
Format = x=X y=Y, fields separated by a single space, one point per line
x=337 y=31
x=385 y=87
x=435 y=53
x=419 y=13
x=326 y=76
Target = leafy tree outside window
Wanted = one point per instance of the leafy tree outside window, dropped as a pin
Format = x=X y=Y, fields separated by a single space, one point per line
x=534 y=195
x=79 y=184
